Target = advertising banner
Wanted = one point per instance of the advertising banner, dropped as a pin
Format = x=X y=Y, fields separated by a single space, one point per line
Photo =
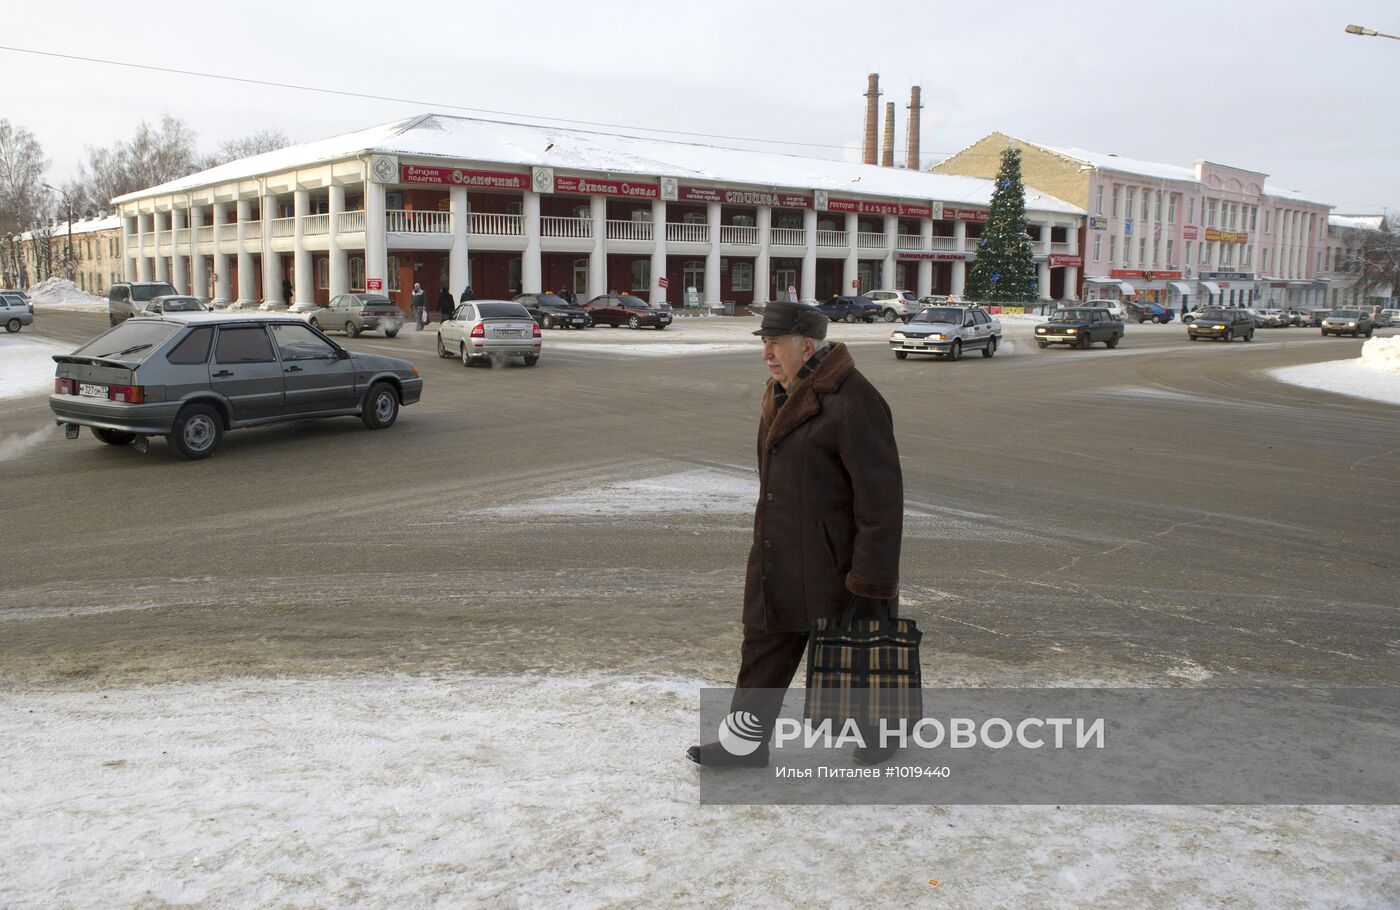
x=455 y=176
x=592 y=187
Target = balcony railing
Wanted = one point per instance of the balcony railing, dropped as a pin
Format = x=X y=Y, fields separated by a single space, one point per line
x=868 y=241
x=619 y=229
x=910 y=241
x=789 y=237
x=1059 y=248
x=947 y=244
x=406 y=221
x=204 y=233
x=572 y=228
x=494 y=225
x=316 y=225
x=351 y=222
x=688 y=233
x=738 y=234
x=833 y=238
x=284 y=227
x=228 y=232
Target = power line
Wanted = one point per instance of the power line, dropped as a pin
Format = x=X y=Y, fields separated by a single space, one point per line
x=428 y=104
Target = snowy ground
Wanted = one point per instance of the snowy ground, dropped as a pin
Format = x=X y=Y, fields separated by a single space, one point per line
x=453 y=790
x=26 y=364
x=1374 y=375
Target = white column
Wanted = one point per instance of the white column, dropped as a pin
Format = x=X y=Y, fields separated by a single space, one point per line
x=713 y=213
x=809 y=258
x=271 y=262
x=1071 y=283
x=223 y=293
x=247 y=290
x=458 y=265
x=530 y=280
x=143 y=262
x=925 y=280
x=598 y=259
x=851 y=271
x=180 y=277
x=303 y=281
x=376 y=236
x=162 y=264
x=958 y=275
x=130 y=239
x=339 y=263
x=1043 y=280
x=658 y=251
x=891 y=243
x=199 y=266
x=761 y=264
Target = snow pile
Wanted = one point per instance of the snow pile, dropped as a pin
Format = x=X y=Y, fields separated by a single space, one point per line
x=26 y=365
x=1382 y=355
x=61 y=294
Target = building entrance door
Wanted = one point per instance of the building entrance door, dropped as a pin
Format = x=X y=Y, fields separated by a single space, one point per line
x=782 y=280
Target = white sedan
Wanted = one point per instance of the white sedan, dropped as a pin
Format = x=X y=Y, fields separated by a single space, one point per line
x=483 y=329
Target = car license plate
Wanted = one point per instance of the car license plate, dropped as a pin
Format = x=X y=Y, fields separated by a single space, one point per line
x=92 y=391
x=509 y=333
x=577 y=322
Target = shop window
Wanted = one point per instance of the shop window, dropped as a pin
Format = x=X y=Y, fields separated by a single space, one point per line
x=641 y=274
x=583 y=212
x=641 y=215
x=513 y=208
x=357 y=273
x=323 y=274
x=741 y=276
x=513 y=273
x=581 y=276
x=393 y=200
x=394 y=273
x=743 y=221
x=787 y=220
x=693 y=275
x=693 y=218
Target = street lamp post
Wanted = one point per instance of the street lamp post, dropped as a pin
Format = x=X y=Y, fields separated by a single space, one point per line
x=68 y=252
x=1369 y=32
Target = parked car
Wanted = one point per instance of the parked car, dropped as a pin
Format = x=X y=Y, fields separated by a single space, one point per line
x=1225 y=323
x=895 y=305
x=192 y=376
x=553 y=312
x=15 y=311
x=1389 y=318
x=1348 y=322
x=356 y=313
x=483 y=329
x=1273 y=319
x=850 y=308
x=626 y=309
x=947 y=331
x=1312 y=319
x=1294 y=317
x=174 y=303
x=1118 y=309
x=1080 y=327
x=1147 y=312
x=128 y=298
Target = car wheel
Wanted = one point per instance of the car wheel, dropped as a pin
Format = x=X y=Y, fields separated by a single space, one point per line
x=1085 y=342
x=633 y=322
x=314 y=324
x=955 y=352
x=389 y=334
x=381 y=406
x=1368 y=331
x=442 y=348
x=113 y=437
x=12 y=326
x=198 y=431
x=900 y=355
x=466 y=358
x=891 y=315
x=351 y=330
x=1229 y=335
x=531 y=359
x=548 y=322
x=1112 y=342
x=1249 y=336
x=1043 y=344
x=991 y=349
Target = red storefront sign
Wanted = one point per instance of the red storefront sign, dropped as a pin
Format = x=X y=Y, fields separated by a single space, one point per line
x=374 y=284
x=1144 y=275
x=456 y=176
x=861 y=207
x=1189 y=232
x=1059 y=260
x=952 y=214
x=1125 y=273
x=591 y=187
x=663 y=282
x=934 y=256
x=743 y=197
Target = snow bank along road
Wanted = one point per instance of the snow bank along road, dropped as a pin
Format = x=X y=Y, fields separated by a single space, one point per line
x=249 y=681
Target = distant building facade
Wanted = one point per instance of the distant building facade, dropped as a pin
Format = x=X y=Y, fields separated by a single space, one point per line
x=1351 y=279
x=95 y=252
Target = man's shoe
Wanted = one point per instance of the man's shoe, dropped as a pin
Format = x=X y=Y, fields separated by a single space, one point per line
x=874 y=755
x=714 y=755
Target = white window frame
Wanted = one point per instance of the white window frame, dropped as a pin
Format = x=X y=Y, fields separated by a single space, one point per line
x=1170 y=245
x=741 y=276
x=1098 y=247
x=641 y=274
x=1098 y=201
x=693 y=269
x=1171 y=210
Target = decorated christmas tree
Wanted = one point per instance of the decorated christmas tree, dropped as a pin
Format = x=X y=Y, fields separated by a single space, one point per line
x=1005 y=268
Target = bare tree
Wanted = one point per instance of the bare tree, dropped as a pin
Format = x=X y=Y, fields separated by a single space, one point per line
x=154 y=155
x=1374 y=257
x=247 y=146
x=23 y=202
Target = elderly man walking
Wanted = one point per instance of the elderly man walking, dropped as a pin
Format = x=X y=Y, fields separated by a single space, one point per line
x=830 y=513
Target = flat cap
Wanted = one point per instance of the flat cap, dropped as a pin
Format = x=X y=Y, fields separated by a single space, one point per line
x=782 y=317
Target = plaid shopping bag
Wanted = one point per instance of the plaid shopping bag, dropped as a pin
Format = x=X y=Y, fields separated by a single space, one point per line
x=864 y=669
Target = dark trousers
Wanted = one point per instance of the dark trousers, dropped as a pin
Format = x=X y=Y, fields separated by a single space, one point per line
x=767 y=662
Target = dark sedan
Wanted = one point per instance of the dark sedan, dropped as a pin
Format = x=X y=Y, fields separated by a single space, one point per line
x=1080 y=327
x=1225 y=323
x=850 y=308
x=624 y=309
x=553 y=312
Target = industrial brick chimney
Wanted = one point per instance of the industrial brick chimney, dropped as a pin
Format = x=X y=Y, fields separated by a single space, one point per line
x=887 y=147
x=872 y=113
x=911 y=160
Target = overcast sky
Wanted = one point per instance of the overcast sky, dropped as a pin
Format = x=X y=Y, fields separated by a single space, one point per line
x=1271 y=86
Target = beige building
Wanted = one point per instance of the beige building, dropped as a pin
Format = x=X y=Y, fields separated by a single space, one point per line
x=96 y=254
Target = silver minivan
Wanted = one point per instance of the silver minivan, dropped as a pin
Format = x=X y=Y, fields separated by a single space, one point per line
x=15 y=311
x=129 y=298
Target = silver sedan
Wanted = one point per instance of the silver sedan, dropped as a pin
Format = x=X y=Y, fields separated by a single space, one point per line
x=484 y=329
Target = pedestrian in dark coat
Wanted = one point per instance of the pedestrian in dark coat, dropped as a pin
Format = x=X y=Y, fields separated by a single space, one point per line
x=419 y=301
x=830 y=513
x=445 y=305
x=287 y=291
x=467 y=295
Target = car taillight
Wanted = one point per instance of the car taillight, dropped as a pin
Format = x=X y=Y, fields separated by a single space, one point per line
x=478 y=331
x=130 y=394
x=63 y=387
x=537 y=330
x=366 y=313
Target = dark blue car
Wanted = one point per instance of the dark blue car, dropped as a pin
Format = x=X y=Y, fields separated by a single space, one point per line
x=850 y=309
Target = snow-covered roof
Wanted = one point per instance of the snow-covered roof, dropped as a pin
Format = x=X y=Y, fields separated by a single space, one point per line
x=85 y=226
x=524 y=145
x=1357 y=222
x=1123 y=165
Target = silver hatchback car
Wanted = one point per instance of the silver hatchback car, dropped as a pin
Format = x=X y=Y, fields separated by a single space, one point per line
x=483 y=329
x=15 y=311
x=189 y=377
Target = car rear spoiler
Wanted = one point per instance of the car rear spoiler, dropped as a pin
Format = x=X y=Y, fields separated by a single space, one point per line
x=90 y=361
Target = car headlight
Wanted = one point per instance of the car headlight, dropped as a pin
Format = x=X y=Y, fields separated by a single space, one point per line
x=1351 y=325
x=1071 y=331
x=899 y=335
x=939 y=337
x=1040 y=330
x=1218 y=328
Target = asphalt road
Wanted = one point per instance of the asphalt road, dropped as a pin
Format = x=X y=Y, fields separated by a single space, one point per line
x=1161 y=514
